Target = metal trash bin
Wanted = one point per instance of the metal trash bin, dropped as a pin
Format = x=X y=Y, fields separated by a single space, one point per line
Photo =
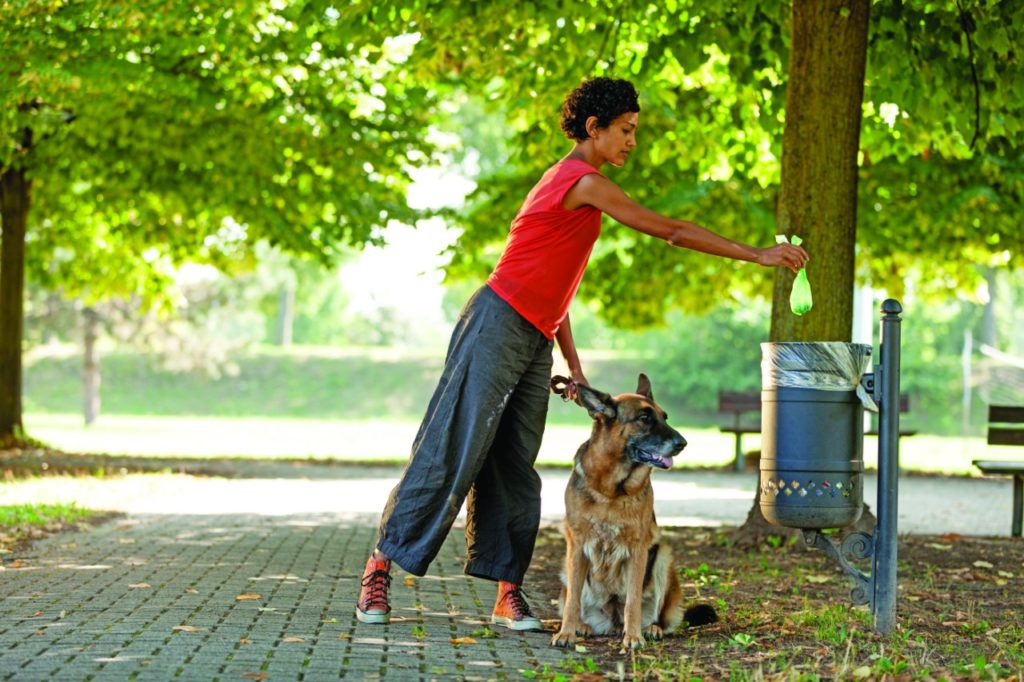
x=812 y=433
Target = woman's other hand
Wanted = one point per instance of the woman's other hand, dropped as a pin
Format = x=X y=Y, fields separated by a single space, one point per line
x=786 y=255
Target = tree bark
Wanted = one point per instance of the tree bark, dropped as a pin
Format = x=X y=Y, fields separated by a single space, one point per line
x=15 y=189
x=818 y=188
x=820 y=141
x=90 y=367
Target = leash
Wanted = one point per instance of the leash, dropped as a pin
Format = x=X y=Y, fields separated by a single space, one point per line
x=560 y=386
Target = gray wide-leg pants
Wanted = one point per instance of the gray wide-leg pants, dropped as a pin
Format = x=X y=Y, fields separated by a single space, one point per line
x=479 y=439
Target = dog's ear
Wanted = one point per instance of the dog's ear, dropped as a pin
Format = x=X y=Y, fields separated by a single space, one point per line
x=598 y=404
x=643 y=387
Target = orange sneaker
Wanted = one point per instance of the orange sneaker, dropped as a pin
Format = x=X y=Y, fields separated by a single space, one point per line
x=373 y=597
x=512 y=611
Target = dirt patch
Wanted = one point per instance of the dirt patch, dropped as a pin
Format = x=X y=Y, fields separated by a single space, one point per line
x=785 y=613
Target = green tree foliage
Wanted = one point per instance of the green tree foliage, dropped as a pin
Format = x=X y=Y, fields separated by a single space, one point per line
x=136 y=136
x=940 y=138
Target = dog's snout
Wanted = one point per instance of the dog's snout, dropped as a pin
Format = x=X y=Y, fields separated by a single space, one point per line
x=678 y=443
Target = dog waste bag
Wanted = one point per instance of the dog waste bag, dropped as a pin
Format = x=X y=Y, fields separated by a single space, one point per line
x=800 y=301
x=812 y=433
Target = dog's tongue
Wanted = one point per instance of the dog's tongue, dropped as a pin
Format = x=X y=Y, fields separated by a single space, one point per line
x=664 y=461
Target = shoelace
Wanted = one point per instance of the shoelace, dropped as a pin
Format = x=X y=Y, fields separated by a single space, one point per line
x=378 y=583
x=517 y=599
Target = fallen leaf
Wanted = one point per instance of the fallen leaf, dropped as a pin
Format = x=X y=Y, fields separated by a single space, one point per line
x=139 y=586
x=293 y=640
x=936 y=545
x=189 y=590
x=463 y=640
x=17 y=563
x=1005 y=574
x=271 y=608
x=247 y=597
x=862 y=672
x=255 y=676
x=344 y=636
x=951 y=537
x=186 y=628
x=982 y=564
x=329 y=620
x=37 y=614
x=580 y=649
x=126 y=541
x=409 y=581
x=245 y=640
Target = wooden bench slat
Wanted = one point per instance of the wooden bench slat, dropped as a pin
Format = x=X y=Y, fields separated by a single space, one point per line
x=740 y=429
x=1010 y=414
x=1003 y=436
x=739 y=401
x=903 y=432
x=999 y=466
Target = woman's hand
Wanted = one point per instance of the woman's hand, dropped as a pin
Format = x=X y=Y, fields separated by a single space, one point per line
x=576 y=378
x=786 y=255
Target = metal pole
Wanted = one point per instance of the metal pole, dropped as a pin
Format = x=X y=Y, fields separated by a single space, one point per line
x=884 y=573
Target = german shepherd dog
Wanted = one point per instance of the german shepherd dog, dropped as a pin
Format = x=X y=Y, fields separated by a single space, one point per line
x=618 y=577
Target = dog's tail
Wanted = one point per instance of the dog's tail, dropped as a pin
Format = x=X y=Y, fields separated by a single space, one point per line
x=699 y=614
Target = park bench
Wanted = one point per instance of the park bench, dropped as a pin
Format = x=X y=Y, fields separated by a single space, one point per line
x=739 y=403
x=1006 y=427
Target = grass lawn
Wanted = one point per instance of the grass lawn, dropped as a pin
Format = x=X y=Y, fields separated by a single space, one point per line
x=354 y=404
x=20 y=523
x=389 y=440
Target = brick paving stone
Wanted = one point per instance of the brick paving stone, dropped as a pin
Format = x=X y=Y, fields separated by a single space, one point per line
x=152 y=597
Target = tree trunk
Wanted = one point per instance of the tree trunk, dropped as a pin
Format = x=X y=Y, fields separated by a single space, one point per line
x=15 y=189
x=91 y=367
x=285 y=314
x=818 y=190
x=989 y=332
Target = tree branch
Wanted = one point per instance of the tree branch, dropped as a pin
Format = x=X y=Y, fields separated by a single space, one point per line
x=968 y=26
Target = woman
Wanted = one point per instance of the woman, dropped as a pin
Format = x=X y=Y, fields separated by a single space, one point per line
x=483 y=427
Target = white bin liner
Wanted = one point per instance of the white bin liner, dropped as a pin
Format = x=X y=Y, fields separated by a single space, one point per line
x=821 y=365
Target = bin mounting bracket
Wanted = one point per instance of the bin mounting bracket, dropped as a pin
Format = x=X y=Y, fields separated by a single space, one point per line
x=855 y=545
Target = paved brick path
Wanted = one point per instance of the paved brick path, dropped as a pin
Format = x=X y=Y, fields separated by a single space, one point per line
x=157 y=597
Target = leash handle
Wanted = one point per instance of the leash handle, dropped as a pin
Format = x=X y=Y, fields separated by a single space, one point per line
x=560 y=386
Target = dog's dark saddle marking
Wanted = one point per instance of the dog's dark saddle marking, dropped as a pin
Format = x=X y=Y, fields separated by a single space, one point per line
x=652 y=554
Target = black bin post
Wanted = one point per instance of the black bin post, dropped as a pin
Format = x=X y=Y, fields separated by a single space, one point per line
x=812 y=466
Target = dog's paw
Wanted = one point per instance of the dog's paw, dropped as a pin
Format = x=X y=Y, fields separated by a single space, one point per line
x=633 y=642
x=654 y=631
x=584 y=630
x=565 y=637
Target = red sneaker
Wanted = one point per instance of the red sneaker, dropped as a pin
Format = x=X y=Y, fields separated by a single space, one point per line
x=512 y=611
x=373 y=597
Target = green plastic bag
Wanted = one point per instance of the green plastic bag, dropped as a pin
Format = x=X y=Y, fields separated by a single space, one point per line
x=800 y=300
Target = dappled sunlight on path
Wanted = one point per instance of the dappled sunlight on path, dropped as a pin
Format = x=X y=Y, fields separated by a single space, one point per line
x=682 y=497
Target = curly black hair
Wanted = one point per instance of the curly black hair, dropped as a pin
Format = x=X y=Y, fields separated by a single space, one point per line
x=605 y=98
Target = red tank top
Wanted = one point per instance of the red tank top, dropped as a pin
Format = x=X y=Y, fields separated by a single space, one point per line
x=547 y=249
